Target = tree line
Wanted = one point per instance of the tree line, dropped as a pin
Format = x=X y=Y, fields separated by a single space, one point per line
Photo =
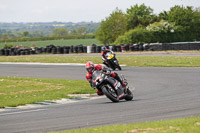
x=140 y=25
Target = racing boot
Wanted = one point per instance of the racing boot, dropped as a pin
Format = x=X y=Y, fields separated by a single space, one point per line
x=116 y=76
x=99 y=93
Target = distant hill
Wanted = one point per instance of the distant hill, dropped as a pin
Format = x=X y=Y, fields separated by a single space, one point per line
x=45 y=27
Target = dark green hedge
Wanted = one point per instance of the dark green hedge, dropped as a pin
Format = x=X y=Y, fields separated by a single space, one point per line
x=141 y=35
x=49 y=38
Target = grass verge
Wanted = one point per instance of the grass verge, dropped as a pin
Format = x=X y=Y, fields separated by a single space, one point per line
x=67 y=42
x=19 y=91
x=141 y=61
x=184 y=125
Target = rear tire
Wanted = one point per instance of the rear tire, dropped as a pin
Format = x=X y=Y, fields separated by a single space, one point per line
x=129 y=96
x=117 y=65
x=109 y=95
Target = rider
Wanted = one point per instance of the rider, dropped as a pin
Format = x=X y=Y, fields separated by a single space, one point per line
x=90 y=67
x=104 y=51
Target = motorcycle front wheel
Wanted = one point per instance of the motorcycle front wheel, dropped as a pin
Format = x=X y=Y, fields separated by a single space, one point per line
x=129 y=96
x=117 y=65
x=110 y=93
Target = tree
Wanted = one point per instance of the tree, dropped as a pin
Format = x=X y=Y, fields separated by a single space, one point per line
x=181 y=16
x=25 y=33
x=196 y=24
x=82 y=30
x=187 y=20
x=4 y=36
x=163 y=15
x=60 y=32
x=140 y=15
x=112 y=27
x=137 y=35
x=162 y=26
x=163 y=31
x=73 y=32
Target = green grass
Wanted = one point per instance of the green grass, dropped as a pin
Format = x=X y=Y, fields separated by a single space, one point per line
x=67 y=42
x=19 y=91
x=184 y=125
x=144 y=61
x=161 y=61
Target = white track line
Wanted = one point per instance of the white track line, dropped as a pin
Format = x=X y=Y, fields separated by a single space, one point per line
x=58 y=64
x=24 y=63
x=28 y=111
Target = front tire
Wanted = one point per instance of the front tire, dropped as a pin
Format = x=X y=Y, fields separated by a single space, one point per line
x=129 y=96
x=110 y=94
x=117 y=65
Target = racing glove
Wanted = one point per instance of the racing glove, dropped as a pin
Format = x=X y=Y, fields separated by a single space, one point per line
x=92 y=85
x=107 y=71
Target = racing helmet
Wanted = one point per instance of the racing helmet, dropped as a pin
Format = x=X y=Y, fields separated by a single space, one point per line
x=103 y=48
x=89 y=66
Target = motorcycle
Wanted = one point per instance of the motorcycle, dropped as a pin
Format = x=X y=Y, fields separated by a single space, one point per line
x=112 y=61
x=110 y=86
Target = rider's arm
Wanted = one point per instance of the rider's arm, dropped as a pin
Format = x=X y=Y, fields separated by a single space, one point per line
x=89 y=78
x=112 y=52
x=103 y=56
x=107 y=70
x=99 y=67
x=91 y=83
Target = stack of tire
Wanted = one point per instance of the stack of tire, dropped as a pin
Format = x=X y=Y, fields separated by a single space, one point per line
x=76 y=49
x=132 y=47
x=16 y=51
x=153 y=47
x=93 y=48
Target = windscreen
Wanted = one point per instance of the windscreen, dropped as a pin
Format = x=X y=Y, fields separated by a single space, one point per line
x=96 y=74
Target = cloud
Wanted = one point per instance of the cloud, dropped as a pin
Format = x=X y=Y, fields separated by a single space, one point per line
x=75 y=10
x=3 y=7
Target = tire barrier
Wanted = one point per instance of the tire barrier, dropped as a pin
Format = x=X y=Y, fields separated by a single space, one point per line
x=127 y=47
x=153 y=47
x=89 y=49
x=51 y=49
x=98 y=49
x=123 y=48
x=118 y=49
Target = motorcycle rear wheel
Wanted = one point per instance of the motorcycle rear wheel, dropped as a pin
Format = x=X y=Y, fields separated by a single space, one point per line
x=110 y=94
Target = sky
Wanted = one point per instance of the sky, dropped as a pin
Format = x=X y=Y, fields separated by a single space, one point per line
x=77 y=10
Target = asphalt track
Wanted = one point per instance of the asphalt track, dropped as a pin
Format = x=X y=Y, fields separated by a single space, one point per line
x=160 y=94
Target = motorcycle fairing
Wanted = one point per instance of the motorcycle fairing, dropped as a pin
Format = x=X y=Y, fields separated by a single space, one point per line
x=116 y=85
